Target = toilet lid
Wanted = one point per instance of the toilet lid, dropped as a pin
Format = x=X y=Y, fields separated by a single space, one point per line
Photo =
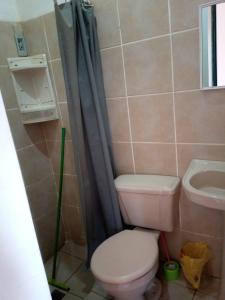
x=125 y=256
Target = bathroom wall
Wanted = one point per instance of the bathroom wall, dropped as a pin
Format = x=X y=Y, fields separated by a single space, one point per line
x=159 y=118
x=38 y=145
x=45 y=27
x=32 y=151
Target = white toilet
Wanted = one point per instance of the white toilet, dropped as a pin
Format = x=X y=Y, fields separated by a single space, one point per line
x=125 y=265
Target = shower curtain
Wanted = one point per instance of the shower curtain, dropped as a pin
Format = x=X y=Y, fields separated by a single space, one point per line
x=79 y=48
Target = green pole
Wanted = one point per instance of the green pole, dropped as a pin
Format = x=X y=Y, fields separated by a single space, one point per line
x=58 y=216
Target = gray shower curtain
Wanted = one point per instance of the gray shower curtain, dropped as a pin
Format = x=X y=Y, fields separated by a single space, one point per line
x=79 y=47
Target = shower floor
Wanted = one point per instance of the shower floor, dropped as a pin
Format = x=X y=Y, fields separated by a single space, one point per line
x=71 y=270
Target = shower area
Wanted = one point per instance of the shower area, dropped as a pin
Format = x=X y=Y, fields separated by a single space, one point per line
x=38 y=141
x=38 y=144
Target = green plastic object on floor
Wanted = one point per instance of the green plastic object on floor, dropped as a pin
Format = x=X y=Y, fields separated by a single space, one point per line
x=171 y=270
x=53 y=281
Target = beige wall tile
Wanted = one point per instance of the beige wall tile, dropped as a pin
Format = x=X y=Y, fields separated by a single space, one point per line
x=184 y=14
x=59 y=80
x=200 y=116
x=34 y=163
x=8 y=46
x=123 y=158
x=143 y=19
x=158 y=159
x=152 y=118
x=177 y=239
x=118 y=119
x=42 y=197
x=52 y=129
x=199 y=219
x=65 y=119
x=112 y=66
x=54 y=155
x=174 y=240
x=108 y=22
x=52 y=36
x=7 y=88
x=70 y=192
x=24 y=135
x=35 y=37
x=188 y=152
x=45 y=229
x=214 y=265
x=186 y=60
x=73 y=223
x=148 y=66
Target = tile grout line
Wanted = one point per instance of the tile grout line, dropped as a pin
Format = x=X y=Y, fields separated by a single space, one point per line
x=46 y=38
x=170 y=143
x=29 y=146
x=54 y=59
x=53 y=76
x=172 y=71
x=151 y=38
x=57 y=96
x=125 y=83
x=38 y=181
x=152 y=94
x=184 y=31
x=219 y=238
x=63 y=227
x=12 y=109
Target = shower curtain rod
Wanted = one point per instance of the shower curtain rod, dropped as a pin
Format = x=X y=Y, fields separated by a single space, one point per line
x=86 y=3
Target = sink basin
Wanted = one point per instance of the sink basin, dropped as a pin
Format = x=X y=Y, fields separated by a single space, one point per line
x=204 y=183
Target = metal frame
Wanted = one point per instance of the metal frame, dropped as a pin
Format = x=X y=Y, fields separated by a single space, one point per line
x=200 y=45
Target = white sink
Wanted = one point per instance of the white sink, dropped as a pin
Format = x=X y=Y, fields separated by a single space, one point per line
x=204 y=183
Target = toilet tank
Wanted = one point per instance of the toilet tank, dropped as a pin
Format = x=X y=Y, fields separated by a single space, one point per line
x=148 y=200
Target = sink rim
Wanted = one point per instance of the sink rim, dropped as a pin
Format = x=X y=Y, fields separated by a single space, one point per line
x=198 y=196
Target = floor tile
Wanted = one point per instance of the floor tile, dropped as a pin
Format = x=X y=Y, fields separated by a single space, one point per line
x=81 y=283
x=93 y=296
x=98 y=290
x=66 y=266
x=74 y=249
x=173 y=291
x=210 y=286
x=204 y=297
x=71 y=297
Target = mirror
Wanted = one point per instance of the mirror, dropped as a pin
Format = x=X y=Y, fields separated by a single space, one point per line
x=212 y=45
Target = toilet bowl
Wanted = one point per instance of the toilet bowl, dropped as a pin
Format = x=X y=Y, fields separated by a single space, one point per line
x=125 y=264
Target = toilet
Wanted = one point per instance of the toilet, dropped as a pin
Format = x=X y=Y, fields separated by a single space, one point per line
x=125 y=264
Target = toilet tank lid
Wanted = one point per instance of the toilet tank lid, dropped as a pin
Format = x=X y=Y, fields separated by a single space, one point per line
x=155 y=184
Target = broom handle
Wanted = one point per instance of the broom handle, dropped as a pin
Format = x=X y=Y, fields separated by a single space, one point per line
x=59 y=204
x=165 y=245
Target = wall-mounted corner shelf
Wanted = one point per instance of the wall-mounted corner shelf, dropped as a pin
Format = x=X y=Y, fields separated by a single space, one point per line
x=33 y=87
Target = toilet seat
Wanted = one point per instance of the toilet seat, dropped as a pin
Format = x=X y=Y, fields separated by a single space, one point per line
x=126 y=256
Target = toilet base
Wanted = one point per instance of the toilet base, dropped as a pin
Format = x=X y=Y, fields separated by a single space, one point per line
x=133 y=297
x=153 y=292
